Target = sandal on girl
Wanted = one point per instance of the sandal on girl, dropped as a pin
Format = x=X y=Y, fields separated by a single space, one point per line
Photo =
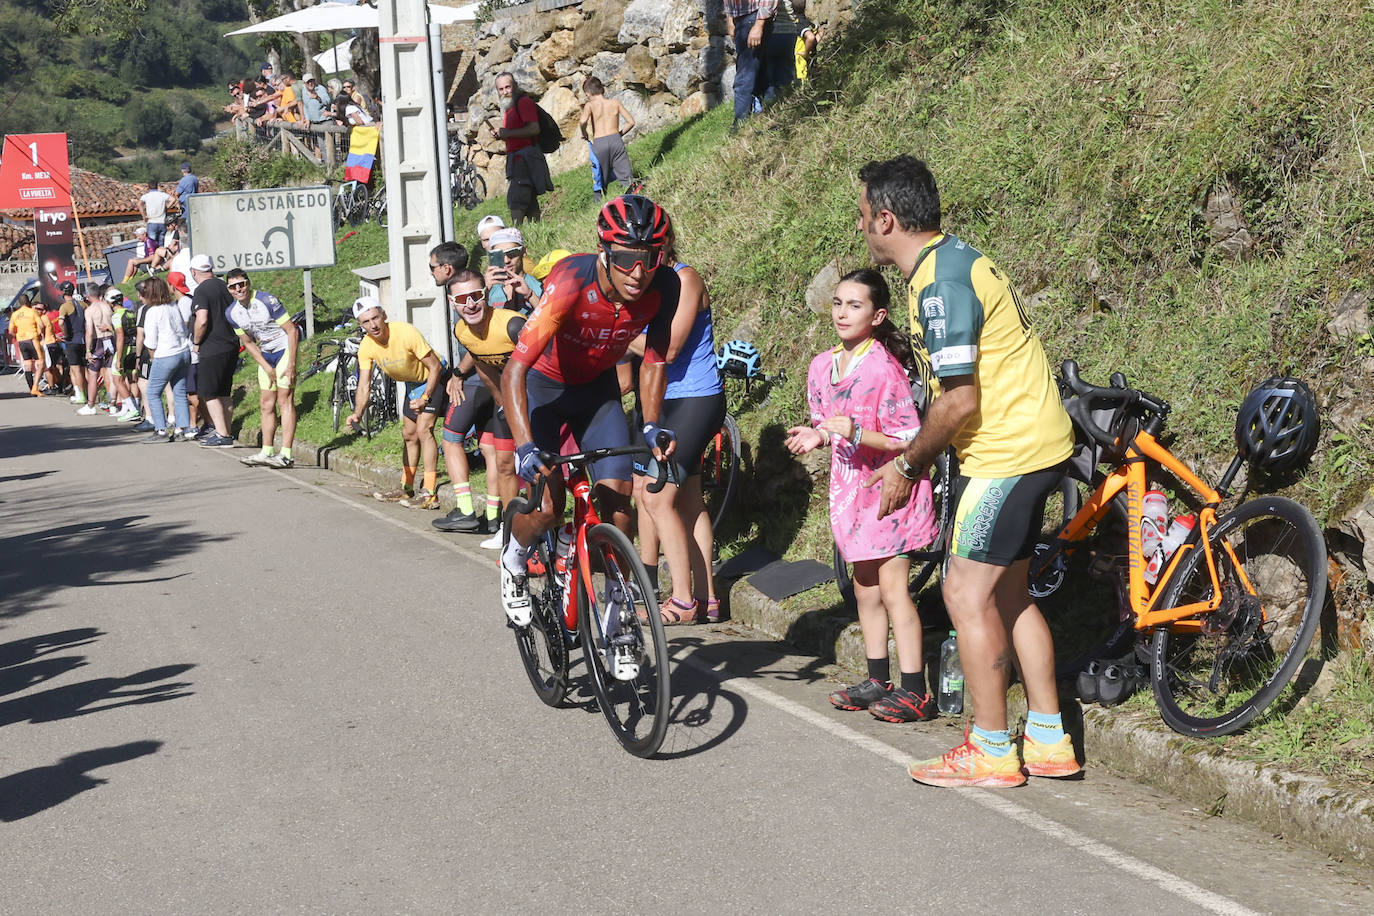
x=674 y=613
x=712 y=607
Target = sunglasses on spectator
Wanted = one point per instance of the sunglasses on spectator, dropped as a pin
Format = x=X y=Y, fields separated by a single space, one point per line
x=238 y=284
x=512 y=255
x=625 y=261
x=466 y=299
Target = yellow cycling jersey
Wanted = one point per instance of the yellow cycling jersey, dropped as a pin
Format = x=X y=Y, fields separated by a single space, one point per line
x=503 y=330
x=25 y=323
x=969 y=320
x=402 y=359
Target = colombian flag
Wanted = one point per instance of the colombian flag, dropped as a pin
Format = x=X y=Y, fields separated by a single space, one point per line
x=362 y=153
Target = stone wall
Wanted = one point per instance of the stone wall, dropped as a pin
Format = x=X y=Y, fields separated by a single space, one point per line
x=663 y=59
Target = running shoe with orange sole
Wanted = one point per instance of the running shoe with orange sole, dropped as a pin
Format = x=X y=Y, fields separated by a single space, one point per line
x=1055 y=761
x=969 y=765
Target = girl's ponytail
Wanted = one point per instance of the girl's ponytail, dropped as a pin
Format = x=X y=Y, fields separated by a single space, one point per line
x=894 y=339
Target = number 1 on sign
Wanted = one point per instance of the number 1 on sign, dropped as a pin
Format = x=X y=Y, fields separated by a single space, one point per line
x=33 y=150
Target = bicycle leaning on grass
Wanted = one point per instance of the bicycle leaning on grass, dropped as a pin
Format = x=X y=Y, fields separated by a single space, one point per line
x=605 y=599
x=1232 y=614
x=342 y=352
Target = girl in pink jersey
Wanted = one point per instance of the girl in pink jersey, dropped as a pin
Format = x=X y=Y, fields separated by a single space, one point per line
x=861 y=407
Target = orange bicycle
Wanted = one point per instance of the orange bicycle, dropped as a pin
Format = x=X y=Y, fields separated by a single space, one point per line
x=1234 y=610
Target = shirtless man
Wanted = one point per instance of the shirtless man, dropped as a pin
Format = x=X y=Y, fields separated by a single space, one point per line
x=100 y=347
x=601 y=124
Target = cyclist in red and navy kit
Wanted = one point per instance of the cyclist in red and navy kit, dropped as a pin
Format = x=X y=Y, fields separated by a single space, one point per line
x=562 y=372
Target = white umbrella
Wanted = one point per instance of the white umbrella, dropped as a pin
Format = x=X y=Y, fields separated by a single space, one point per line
x=328 y=17
x=330 y=62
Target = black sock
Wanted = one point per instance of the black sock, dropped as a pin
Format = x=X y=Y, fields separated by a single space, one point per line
x=915 y=681
x=879 y=669
x=28 y=377
x=653 y=574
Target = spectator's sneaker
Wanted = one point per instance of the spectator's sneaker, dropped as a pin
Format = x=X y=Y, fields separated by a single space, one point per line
x=281 y=462
x=114 y=410
x=393 y=496
x=903 y=706
x=1055 y=760
x=193 y=433
x=215 y=440
x=859 y=696
x=158 y=437
x=87 y=411
x=78 y=398
x=256 y=460
x=459 y=521
x=145 y=427
x=493 y=542
x=515 y=598
x=969 y=765
x=128 y=416
x=423 y=499
x=178 y=436
x=36 y=393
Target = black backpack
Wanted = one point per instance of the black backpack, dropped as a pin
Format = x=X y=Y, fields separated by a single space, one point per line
x=550 y=137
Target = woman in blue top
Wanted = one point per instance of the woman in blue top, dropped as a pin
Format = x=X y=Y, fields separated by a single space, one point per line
x=694 y=408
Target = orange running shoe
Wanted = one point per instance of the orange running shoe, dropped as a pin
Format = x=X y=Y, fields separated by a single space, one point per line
x=1055 y=760
x=969 y=765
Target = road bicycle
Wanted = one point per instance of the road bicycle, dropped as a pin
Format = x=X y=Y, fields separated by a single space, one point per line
x=467 y=186
x=343 y=354
x=351 y=203
x=1230 y=620
x=376 y=207
x=606 y=601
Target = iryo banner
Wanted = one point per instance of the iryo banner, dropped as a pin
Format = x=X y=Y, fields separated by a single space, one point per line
x=34 y=172
x=56 y=260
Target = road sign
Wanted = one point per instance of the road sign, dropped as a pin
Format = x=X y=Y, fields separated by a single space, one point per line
x=267 y=229
x=34 y=172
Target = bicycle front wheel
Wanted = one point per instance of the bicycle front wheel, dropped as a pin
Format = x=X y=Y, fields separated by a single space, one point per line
x=720 y=470
x=357 y=210
x=381 y=399
x=623 y=642
x=1214 y=673
x=341 y=396
x=543 y=650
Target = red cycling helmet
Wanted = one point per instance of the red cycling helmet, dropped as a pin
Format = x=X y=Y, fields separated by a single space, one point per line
x=634 y=221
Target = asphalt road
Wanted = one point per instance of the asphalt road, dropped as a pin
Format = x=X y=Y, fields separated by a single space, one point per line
x=226 y=689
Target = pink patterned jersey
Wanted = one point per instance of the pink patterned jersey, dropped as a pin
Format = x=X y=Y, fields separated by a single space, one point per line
x=877 y=395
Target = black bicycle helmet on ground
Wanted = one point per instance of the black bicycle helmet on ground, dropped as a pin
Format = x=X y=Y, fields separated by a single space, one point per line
x=1278 y=424
x=634 y=221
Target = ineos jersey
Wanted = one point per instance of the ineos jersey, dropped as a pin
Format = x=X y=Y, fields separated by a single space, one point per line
x=577 y=333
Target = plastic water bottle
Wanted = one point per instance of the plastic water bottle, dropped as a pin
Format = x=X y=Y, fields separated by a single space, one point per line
x=950 y=702
x=1178 y=532
x=560 y=560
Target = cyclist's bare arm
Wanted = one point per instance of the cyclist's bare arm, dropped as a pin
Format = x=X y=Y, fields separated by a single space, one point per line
x=958 y=401
x=455 y=381
x=435 y=371
x=691 y=301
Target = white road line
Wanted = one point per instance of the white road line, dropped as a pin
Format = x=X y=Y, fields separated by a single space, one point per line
x=1214 y=903
x=1179 y=887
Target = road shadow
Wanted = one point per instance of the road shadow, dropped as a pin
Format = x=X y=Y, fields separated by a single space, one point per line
x=26 y=441
x=29 y=792
x=30 y=575
x=33 y=476
x=30 y=647
x=96 y=695
x=23 y=665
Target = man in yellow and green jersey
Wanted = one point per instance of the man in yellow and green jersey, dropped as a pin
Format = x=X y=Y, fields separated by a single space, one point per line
x=999 y=406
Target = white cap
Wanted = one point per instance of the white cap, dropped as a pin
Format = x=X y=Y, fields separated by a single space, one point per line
x=364 y=304
x=506 y=236
x=202 y=262
x=140 y=231
x=114 y=294
x=489 y=221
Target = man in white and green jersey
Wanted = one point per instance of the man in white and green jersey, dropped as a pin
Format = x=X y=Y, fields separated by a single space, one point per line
x=995 y=400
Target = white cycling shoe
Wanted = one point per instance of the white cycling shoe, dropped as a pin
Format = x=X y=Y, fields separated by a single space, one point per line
x=515 y=598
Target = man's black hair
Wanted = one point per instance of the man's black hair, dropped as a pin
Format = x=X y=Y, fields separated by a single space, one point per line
x=235 y=274
x=904 y=187
x=452 y=254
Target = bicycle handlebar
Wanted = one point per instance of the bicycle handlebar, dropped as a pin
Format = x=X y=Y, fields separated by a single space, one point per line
x=1128 y=403
x=666 y=470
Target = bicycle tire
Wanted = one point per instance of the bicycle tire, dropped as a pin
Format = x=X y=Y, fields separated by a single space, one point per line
x=720 y=470
x=343 y=372
x=542 y=645
x=379 y=210
x=357 y=208
x=1255 y=644
x=635 y=709
x=340 y=211
x=380 y=398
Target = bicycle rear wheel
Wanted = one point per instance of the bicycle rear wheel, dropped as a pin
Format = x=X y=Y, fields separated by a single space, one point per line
x=611 y=627
x=345 y=385
x=543 y=649
x=357 y=209
x=380 y=403
x=720 y=470
x=1213 y=674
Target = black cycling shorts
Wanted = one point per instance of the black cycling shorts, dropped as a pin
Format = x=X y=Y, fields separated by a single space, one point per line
x=438 y=402
x=28 y=349
x=55 y=355
x=997 y=520
x=591 y=412
x=694 y=421
x=215 y=378
x=76 y=354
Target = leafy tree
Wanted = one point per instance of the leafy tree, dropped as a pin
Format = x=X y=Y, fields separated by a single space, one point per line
x=149 y=121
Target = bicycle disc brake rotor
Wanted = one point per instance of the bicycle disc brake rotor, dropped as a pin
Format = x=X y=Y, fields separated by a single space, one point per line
x=1045 y=578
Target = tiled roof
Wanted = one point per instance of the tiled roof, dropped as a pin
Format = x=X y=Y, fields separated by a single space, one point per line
x=100 y=195
x=16 y=242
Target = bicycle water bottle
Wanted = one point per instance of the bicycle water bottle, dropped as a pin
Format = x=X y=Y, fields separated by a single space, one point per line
x=1154 y=509
x=950 y=702
x=561 y=552
x=1173 y=539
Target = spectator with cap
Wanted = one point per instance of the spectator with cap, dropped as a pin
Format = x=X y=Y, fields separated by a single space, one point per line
x=153 y=206
x=510 y=285
x=315 y=101
x=485 y=227
x=217 y=345
x=187 y=185
x=403 y=355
